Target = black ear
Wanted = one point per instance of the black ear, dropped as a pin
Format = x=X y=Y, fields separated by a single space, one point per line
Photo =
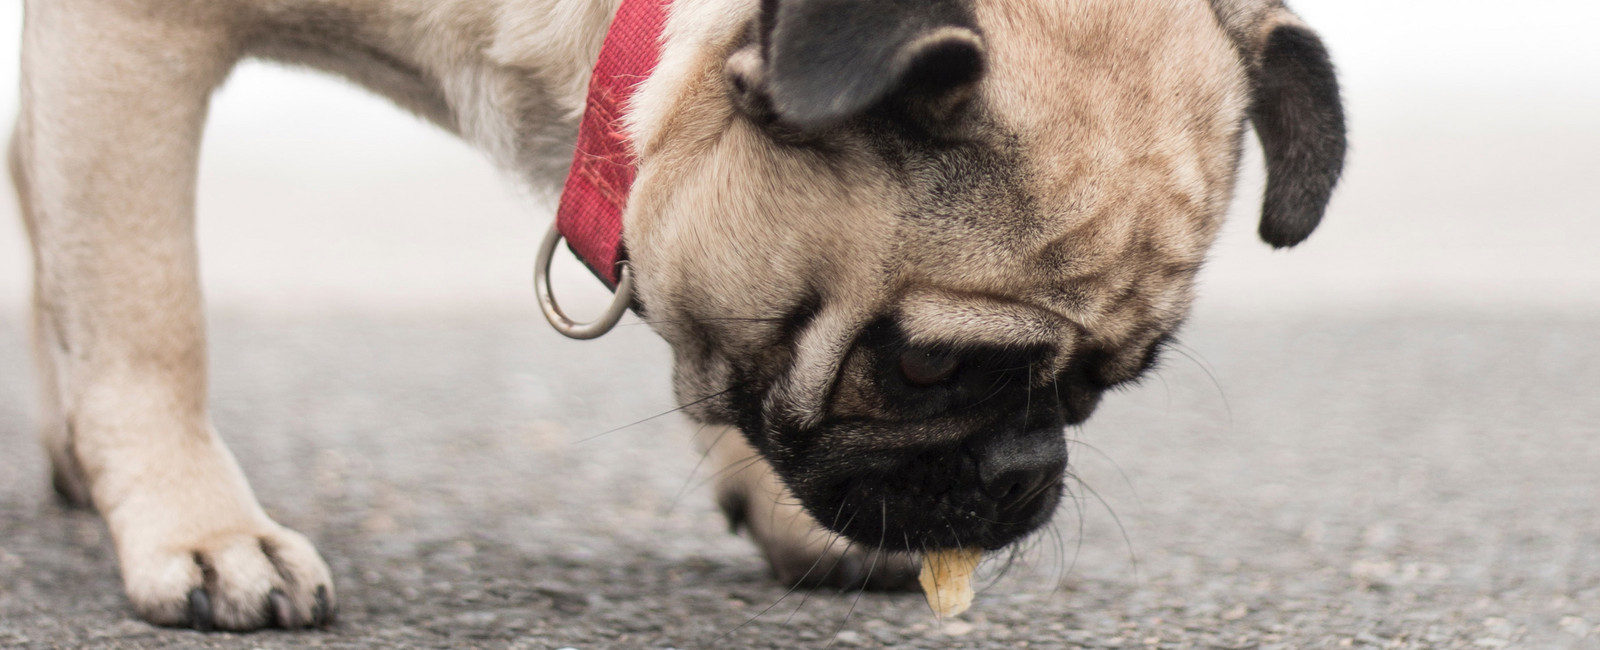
x=1300 y=121
x=825 y=61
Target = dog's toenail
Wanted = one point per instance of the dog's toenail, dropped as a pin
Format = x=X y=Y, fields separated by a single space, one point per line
x=200 y=615
x=283 y=610
x=322 y=613
x=850 y=571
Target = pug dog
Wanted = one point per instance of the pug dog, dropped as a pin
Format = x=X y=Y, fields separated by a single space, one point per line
x=897 y=246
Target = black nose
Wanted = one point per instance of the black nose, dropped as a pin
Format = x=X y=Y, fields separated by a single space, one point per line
x=1018 y=469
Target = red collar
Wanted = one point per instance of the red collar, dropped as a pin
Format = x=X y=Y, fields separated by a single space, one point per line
x=590 y=213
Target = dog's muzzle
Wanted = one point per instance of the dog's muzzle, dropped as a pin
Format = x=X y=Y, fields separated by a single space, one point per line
x=987 y=491
x=972 y=453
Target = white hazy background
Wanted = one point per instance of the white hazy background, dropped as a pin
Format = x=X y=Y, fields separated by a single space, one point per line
x=1471 y=186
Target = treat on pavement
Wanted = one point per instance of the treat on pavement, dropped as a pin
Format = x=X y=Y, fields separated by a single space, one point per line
x=947 y=579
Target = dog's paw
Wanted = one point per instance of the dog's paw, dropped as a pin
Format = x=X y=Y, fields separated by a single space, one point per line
x=799 y=563
x=71 y=488
x=262 y=576
x=799 y=550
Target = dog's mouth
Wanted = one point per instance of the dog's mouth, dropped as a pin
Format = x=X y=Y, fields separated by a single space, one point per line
x=928 y=447
x=986 y=494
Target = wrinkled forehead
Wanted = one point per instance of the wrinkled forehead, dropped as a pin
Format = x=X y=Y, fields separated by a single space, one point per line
x=1118 y=106
x=1134 y=73
x=1108 y=134
x=1114 y=137
x=1111 y=158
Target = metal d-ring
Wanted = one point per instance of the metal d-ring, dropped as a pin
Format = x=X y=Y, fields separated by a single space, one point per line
x=552 y=311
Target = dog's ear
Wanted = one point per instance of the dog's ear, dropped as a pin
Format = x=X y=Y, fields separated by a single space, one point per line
x=815 y=63
x=1296 y=111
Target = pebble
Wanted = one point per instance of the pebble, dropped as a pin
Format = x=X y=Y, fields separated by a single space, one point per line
x=476 y=619
x=957 y=628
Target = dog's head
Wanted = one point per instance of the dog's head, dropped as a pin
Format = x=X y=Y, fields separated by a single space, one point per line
x=902 y=244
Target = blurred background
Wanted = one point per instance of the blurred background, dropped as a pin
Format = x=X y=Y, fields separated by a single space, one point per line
x=1386 y=436
x=1472 y=166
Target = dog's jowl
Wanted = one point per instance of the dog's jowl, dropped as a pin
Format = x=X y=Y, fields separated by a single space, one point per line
x=897 y=247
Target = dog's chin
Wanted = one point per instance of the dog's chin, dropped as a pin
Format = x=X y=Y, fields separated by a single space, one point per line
x=895 y=520
x=934 y=500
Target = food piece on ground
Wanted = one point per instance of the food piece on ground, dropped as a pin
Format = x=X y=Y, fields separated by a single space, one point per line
x=947 y=579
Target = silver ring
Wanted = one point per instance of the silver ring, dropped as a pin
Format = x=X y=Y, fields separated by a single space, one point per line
x=552 y=311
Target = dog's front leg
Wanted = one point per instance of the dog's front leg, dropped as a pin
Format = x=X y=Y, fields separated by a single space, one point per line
x=105 y=154
x=799 y=551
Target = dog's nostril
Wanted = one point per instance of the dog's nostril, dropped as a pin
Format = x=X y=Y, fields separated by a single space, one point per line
x=1017 y=488
x=1016 y=470
x=1013 y=484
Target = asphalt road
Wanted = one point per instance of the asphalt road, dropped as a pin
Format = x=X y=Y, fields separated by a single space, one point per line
x=1386 y=438
x=1387 y=480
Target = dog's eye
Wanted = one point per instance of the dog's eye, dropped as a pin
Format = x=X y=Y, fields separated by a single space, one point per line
x=925 y=368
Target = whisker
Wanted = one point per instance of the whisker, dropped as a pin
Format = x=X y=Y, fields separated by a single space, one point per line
x=731 y=319
x=1166 y=388
x=798 y=583
x=849 y=544
x=1027 y=404
x=937 y=595
x=791 y=590
x=732 y=468
x=954 y=534
x=1198 y=360
x=1005 y=567
x=1067 y=567
x=995 y=389
x=684 y=489
x=1053 y=532
x=883 y=534
x=667 y=412
x=836 y=560
x=1127 y=541
x=1029 y=496
x=1008 y=369
x=832 y=538
x=1114 y=465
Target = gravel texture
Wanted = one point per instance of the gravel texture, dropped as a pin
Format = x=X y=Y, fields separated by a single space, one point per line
x=1401 y=481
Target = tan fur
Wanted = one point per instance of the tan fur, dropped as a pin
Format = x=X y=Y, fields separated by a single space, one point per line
x=795 y=547
x=1131 y=185
x=1126 y=117
x=1131 y=179
x=113 y=104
